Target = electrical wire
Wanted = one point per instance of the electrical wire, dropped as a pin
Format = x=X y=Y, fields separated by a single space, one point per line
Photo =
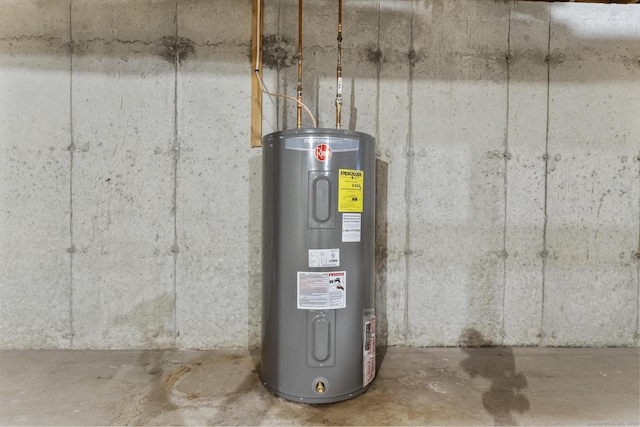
x=299 y=112
x=258 y=33
x=339 y=70
x=291 y=98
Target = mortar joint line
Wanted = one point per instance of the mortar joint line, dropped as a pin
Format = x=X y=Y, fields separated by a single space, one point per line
x=636 y=336
x=506 y=168
x=545 y=254
x=407 y=190
x=71 y=250
x=176 y=156
x=378 y=67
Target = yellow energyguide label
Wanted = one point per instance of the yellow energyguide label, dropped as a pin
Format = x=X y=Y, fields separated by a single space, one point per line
x=350 y=190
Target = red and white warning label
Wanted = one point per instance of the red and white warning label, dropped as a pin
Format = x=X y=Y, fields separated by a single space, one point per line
x=322 y=290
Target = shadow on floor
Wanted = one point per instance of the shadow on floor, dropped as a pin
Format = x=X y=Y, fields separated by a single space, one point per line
x=498 y=365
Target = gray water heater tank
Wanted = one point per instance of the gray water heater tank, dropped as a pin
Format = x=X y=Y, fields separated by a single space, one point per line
x=318 y=320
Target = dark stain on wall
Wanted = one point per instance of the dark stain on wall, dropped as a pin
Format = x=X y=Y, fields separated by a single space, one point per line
x=374 y=54
x=172 y=47
x=413 y=57
x=278 y=51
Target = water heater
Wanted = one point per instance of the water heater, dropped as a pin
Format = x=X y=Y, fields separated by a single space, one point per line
x=318 y=320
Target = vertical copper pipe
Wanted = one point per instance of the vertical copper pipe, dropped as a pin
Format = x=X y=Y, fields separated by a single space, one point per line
x=299 y=115
x=339 y=70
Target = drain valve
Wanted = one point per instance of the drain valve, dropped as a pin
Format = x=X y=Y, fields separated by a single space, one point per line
x=320 y=387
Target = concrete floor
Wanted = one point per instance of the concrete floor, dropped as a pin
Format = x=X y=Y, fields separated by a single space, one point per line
x=441 y=386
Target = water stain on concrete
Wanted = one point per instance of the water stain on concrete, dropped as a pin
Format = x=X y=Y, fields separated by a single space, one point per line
x=555 y=58
x=415 y=386
x=216 y=389
x=151 y=320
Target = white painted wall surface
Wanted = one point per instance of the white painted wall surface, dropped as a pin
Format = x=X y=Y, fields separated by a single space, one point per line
x=508 y=167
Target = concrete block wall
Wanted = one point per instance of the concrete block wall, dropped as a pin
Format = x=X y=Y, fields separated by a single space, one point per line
x=508 y=198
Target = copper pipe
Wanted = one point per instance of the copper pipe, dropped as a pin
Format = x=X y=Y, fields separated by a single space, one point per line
x=339 y=70
x=299 y=115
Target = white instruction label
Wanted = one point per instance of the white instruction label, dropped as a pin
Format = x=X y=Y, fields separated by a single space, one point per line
x=351 y=227
x=322 y=290
x=324 y=257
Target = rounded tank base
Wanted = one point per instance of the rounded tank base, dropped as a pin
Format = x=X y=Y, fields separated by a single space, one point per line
x=317 y=400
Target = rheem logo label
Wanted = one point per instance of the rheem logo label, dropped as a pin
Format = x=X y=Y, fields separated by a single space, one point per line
x=323 y=152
